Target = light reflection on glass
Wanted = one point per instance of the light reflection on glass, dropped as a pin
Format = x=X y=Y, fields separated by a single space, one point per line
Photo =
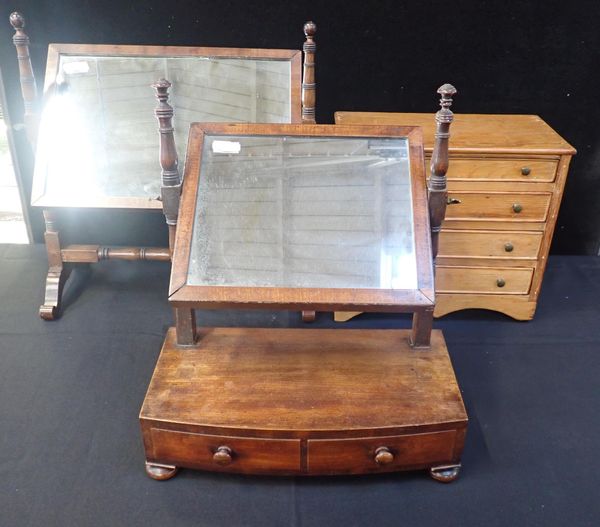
x=99 y=132
x=286 y=211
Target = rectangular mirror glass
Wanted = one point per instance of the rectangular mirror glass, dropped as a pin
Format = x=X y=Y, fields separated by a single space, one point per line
x=98 y=141
x=308 y=212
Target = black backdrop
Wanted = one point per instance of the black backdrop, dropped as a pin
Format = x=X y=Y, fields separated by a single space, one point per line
x=534 y=57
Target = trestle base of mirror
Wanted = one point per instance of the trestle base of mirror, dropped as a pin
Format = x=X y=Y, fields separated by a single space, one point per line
x=61 y=260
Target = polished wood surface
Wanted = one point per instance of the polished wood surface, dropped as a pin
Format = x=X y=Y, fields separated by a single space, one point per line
x=491 y=280
x=490 y=244
x=170 y=189
x=26 y=76
x=309 y=86
x=506 y=178
x=437 y=187
x=303 y=401
x=169 y=201
x=184 y=295
x=464 y=205
x=521 y=170
x=476 y=133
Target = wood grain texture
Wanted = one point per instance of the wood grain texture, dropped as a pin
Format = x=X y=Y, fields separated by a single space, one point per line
x=483 y=280
x=490 y=244
x=357 y=456
x=184 y=295
x=476 y=133
x=303 y=380
x=521 y=170
x=519 y=307
x=497 y=206
x=26 y=77
x=303 y=401
x=496 y=162
x=248 y=454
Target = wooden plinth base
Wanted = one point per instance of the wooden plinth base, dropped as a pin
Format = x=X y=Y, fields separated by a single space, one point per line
x=304 y=402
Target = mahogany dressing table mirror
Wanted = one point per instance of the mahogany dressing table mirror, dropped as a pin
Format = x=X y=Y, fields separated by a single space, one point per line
x=314 y=217
x=96 y=135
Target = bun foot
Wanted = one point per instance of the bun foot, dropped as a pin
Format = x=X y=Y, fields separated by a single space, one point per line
x=160 y=472
x=48 y=312
x=309 y=316
x=445 y=473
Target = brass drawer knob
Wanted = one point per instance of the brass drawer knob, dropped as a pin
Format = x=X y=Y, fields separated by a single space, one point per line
x=500 y=282
x=508 y=247
x=525 y=171
x=383 y=456
x=452 y=201
x=223 y=455
x=517 y=207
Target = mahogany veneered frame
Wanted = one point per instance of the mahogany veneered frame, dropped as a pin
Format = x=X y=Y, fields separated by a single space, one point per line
x=55 y=51
x=182 y=295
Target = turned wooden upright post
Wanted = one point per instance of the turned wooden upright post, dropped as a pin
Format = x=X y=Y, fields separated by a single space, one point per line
x=26 y=76
x=437 y=187
x=171 y=180
x=437 y=196
x=309 y=99
x=309 y=86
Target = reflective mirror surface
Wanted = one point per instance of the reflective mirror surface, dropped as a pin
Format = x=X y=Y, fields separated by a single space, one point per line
x=314 y=212
x=98 y=135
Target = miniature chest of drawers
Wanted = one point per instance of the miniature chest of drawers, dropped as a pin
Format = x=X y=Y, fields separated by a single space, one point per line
x=505 y=183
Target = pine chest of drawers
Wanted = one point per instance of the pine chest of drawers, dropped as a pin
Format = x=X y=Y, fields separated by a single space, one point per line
x=506 y=178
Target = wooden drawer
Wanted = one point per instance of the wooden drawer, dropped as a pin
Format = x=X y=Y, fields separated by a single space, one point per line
x=492 y=280
x=247 y=454
x=501 y=169
x=465 y=205
x=353 y=456
x=489 y=244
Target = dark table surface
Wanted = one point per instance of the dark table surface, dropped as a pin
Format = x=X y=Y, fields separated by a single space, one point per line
x=71 y=390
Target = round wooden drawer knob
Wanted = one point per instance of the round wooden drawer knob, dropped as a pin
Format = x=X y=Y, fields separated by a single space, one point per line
x=517 y=207
x=508 y=247
x=500 y=282
x=222 y=456
x=383 y=456
x=525 y=171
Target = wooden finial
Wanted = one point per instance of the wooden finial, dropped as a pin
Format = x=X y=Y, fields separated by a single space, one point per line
x=171 y=180
x=309 y=86
x=437 y=187
x=26 y=76
x=17 y=21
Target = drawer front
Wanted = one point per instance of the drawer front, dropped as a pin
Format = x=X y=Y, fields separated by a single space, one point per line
x=501 y=169
x=352 y=456
x=492 y=280
x=490 y=244
x=247 y=454
x=464 y=205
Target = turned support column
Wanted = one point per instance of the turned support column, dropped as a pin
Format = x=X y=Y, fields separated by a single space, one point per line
x=26 y=76
x=437 y=191
x=437 y=187
x=171 y=180
x=309 y=86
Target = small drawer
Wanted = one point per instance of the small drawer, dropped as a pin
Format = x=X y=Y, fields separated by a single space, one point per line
x=501 y=170
x=489 y=244
x=466 y=205
x=229 y=454
x=492 y=280
x=379 y=454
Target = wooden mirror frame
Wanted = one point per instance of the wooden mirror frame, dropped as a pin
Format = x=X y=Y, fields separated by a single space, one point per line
x=185 y=298
x=60 y=259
